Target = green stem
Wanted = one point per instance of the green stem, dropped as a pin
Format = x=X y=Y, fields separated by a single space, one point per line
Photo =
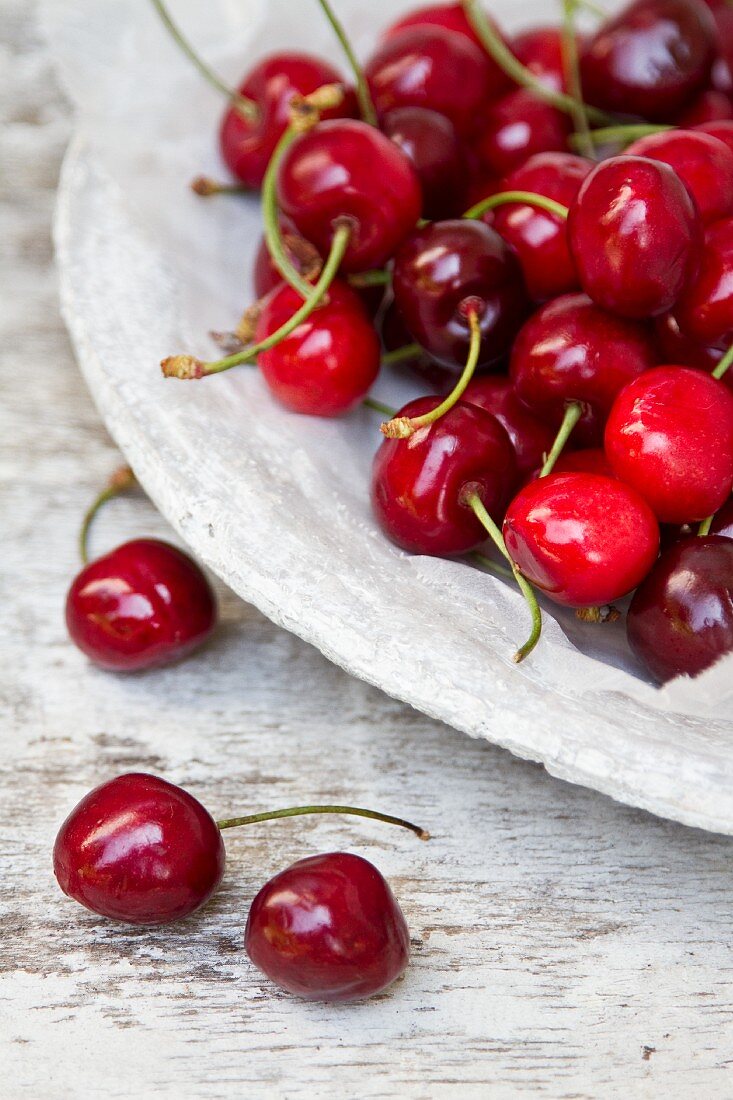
x=725 y=363
x=271 y=218
x=246 y=107
x=401 y=355
x=186 y=366
x=474 y=502
x=366 y=105
x=301 y=811
x=402 y=427
x=704 y=528
x=205 y=186
x=120 y=481
x=622 y=134
x=518 y=72
x=371 y=278
x=379 y=406
x=530 y=198
x=571 y=67
x=573 y=413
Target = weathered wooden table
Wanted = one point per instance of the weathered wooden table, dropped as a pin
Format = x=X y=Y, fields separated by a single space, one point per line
x=563 y=946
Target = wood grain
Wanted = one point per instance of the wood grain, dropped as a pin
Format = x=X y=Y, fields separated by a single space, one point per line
x=563 y=946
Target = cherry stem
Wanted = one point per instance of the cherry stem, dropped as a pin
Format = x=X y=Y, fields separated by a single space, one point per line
x=205 y=187
x=271 y=218
x=622 y=134
x=371 y=278
x=379 y=406
x=301 y=811
x=187 y=367
x=121 y=480
x=366 y=104
x=571 y=68
x=474 y=502
x=492 y=566
x=246 y=107
x=704 y=528
x=518 y=72
x=725 y=363
x=573 y=413
x=402 y=427
x=401 y=355
x=529 y=198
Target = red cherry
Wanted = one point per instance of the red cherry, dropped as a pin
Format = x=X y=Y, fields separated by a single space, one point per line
x=417 y=483
x=449 y=268
x=430 y=143
x=635 y=236
x=328 y=928
x=540 y=49
x=675 y=347
x=348 y=170
x=539 y=238
x=705 y=309
x=708 y=106
x=432 y=68
x=144 y=604
x=516 y=127
x=680 y=621
x=327 y=365
x=583 y=539
x=650 y=59
x=670 y=435
x=139 y=849
x=723 y=131
x=703 y=163
x=530 y=437
x=589 y=460
x=247 y=146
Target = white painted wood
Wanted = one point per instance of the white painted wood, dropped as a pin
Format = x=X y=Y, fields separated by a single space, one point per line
x=564 y=946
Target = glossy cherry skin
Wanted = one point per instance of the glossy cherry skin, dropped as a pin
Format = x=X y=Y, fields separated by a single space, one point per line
x=432 y=68
x=540 y=50
x=707 y=106
x=722 y=130
x=144 y=604
x=447 y=268
x=635 y=235
x=588 y=460
x=583 y=539
x=703 y=163
x=722 y=72
x=705 y=309
x=247 y=146
x=517 y=126
x=676 y=347
x=328 y=364
x=418 y=483
x=650 y=59
x=681 y=618
x=140 y=850
x=531 y=437
x=328 y=928
x=430 y=143
x=350 y=170
x=538 y=238
x=670 y=435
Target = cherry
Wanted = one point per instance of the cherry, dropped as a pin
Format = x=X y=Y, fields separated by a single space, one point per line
x=517 y=126
x=417 y=483
x=540 y=50
x=348 y=170
x=588 y=460
x=705 y=309
x=327 y=365
x=680 y=621
x=650 y=59
x=675 y=347
x=722 y=130
x=703 y=163
x=432 y=68
x=328 y=928
x=530 y=436
x=248 y=144
x=538 y=237
x=722 y=72
x=583 y=539
x=708 y=106
x=670 y=435
x=139 y=849
x=635 y=236
x=430 y=143
x=448 y=268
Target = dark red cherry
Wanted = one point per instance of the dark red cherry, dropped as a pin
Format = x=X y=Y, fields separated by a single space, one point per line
x=531 y=437
x=417 y=483
x=722 y=130
x=635 y=236
x=540 y=50
x=583 y=539
x=703 y=163
x=670 y=435
x=723 y=520
x=247 y=146
x=349 y=170
x=515 y=127
x=650 y=59
x=675 y=347
x=588 y=460
x=448 y=269
x=722 y=72
x=539 y=238
x=328 y=928
x=680 y=621
x=705 y=309
x=708 y=106
x=140 y=850
x=144 y=604
x=430 y=143
x=328 y=364
x=432 y=68
x=439 y=378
